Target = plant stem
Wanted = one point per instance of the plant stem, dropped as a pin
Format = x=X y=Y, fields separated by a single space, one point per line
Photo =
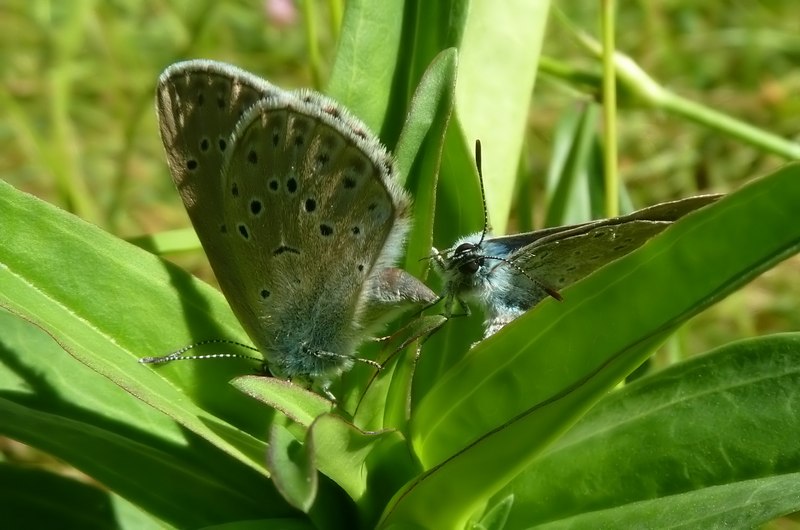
x=610 y=172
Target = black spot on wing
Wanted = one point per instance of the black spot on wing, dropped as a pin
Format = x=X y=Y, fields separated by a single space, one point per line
x=284 y=249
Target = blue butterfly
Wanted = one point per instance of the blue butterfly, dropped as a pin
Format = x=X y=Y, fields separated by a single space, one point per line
x=508 y=275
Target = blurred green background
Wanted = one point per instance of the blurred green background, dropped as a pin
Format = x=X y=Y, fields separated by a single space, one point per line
x=78 y=128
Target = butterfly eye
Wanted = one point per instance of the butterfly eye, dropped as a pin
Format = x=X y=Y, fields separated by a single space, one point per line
x=463 y=248
x=471 y=266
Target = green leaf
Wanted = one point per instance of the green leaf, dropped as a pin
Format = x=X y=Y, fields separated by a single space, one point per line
x=712 y=426
x=34 y=498
x=297 y=403
x=493 y=93
x=419 y=148
x=148 y=475
x=168 y=242
x=366 y=59
x=747 y=504
x=431 y=105
x=498 y=61
x=385 y=403
x=523 y=386
x=292 y=466
x=423 y=136
x=419 y=156
x=496 y=518
x=458 y=212
x=261 y=524
x=51 y=402
x=107 y=304
x=369 y=466
x=429 y=29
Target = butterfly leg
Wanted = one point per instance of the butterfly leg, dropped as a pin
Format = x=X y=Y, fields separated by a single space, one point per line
x=325 y=389
x=450 y=302
x=437 y=258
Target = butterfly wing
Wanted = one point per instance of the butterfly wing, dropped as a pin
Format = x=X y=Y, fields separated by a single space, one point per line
x=668 y=211
x=557 y=263
x=312 y=215
x=198 y=105
x=296 y=205
x=555 y=258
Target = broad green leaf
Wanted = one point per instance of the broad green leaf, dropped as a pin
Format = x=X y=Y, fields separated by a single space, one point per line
x=498 y=59
x=279 y=524
x=434 y=26
x=150 y=476
x=522 y=387
x=720 y=422
x=419 y=149
x=168 y=242
x=492 y=96
x=366 y=58
x=108 y=303
x=429 y=29
x=458 y=212
x=746 y=504
x=58 y=405
x=705 y=247
x=301 y=405
x=430 y=106
x=496 y=518
x=34 y=498
x=423 y=135
x=36 y=372
x=431 y=109
x=369 y=466
x=292 y=467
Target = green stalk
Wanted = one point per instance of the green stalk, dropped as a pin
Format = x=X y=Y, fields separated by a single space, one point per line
x=610 y=172
x=312 y=42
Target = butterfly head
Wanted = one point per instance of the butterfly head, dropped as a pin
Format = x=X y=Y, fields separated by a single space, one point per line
x=466 y=270
x=467 y=258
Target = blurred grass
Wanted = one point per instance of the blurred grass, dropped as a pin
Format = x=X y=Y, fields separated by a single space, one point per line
x=78 y=127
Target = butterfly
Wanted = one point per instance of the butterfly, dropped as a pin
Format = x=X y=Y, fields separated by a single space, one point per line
x=298 y=208
x=508 y=275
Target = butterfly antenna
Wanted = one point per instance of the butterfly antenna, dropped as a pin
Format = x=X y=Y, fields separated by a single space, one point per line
x=178 y=354
x=479 y=165
x=368 y=362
